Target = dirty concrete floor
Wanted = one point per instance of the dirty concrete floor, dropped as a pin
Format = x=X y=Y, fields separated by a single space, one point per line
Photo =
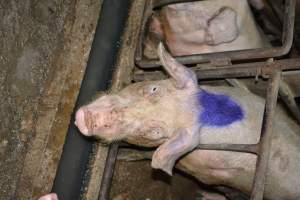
x=138 y=181
x=31 y=36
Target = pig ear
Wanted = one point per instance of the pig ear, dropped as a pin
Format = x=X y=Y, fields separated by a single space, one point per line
x=183 y=77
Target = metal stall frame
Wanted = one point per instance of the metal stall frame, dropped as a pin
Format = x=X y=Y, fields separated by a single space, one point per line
x=270 y=68
x=249 y=54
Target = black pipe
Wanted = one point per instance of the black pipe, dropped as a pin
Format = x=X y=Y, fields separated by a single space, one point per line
x=76 y=150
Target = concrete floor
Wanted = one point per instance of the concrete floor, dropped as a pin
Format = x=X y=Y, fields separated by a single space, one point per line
x=44 y=49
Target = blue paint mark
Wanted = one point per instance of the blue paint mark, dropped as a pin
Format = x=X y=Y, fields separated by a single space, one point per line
x=218 y=110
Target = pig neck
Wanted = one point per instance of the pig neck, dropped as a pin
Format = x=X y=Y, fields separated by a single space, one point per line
x=218 y=110
x=229 y=115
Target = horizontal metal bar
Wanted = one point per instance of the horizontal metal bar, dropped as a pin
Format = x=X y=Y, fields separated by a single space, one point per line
x=247 y=148
x=250 y=148
x=229 y=71
x=161 y=3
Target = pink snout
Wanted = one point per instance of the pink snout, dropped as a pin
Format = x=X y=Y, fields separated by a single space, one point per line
x=51 y=196
x=80 y=122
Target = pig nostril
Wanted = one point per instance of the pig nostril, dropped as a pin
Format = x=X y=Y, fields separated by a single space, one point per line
x=80 y=122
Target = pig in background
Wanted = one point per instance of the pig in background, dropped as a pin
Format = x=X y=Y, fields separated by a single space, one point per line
x=176 y=115
x=204 y=27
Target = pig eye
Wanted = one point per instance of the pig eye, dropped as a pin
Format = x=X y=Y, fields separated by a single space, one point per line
x=156 y=133
x=153 y=89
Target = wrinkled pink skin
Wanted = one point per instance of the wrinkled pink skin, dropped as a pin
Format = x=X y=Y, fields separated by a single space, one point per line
x=51 y=196
x=204 y=27
x=164 y=114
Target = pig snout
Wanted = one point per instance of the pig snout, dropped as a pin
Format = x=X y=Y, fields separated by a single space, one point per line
x=93 y=121
x=80 y=122
x=51 y=196
x=100 y=117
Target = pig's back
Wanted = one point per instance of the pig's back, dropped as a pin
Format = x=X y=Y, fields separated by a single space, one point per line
x=249 y=34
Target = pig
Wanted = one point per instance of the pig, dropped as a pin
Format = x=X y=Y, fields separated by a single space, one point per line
x=204 y=27
x=176 y=115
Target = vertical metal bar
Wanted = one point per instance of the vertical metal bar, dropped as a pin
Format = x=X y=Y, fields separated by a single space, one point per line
x=266 y=136
x=288 y=98
x=108 y=172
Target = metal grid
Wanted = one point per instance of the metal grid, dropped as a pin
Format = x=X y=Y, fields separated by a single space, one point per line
x=270 y=68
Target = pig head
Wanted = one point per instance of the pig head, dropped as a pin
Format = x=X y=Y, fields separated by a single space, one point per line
x=151 y=113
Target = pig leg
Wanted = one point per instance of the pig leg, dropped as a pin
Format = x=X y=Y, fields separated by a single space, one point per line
x=166 y=155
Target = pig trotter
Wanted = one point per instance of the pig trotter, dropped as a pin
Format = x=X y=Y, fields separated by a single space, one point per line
x=167 y=154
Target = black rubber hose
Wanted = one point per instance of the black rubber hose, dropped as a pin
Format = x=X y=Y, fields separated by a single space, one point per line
x=76 y=150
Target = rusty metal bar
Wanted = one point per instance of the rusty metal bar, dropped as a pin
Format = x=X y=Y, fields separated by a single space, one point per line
x=131 y=153
x=247 y=148
x=287 y=40
x=108 y=172
x=230 y=71
x=161 y=3
x=287 y=97
x=238 y=84
x=148 y=10
x=266 y=136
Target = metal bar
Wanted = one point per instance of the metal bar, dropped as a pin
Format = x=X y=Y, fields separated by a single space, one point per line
x=287 y=40
x=238 y=84
x=266 y=136
x=108 y=172
x=288 y=98
x=247 y=148
x=161 y=3
x=148 y=10
x=131 y=153
x=230 y=71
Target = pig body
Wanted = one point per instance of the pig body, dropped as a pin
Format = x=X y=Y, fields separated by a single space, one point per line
x=176 y=115
x=237 y=169
x=204 y=27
